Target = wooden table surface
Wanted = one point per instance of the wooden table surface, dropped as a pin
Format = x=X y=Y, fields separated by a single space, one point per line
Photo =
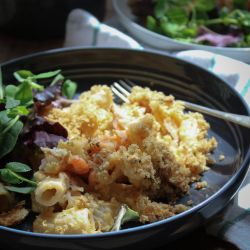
x=12 y=47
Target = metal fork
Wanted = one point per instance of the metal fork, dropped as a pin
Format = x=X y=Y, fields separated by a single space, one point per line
x=122 y=89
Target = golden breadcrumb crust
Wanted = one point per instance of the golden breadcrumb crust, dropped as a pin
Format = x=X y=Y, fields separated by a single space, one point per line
x=137 y=153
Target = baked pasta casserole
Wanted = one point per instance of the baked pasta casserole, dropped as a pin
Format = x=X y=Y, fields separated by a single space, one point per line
x=144 y=154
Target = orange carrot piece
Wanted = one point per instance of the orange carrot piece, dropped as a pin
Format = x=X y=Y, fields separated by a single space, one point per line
x=79 y=166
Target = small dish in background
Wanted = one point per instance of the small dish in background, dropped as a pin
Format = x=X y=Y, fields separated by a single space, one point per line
x=161 y=42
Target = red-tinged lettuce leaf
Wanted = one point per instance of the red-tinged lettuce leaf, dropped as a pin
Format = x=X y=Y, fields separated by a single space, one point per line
x=44 y=139
x=40 y=132
x=53 y=96
x=49 y=94
x=43 y=99
x=215 y=39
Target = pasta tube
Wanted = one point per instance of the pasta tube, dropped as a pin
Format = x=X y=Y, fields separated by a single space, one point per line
x=51 y=190
x=69 y=221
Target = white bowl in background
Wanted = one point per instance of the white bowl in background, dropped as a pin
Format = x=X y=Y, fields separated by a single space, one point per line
x=158 y=41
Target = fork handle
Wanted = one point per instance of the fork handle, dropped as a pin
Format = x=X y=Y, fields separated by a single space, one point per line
x=242 y=120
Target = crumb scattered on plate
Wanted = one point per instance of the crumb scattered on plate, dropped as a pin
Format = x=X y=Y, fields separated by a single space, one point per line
x=201 y=184
x=221 y=157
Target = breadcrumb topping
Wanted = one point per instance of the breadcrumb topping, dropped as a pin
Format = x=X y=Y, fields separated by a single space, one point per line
x=137 y=153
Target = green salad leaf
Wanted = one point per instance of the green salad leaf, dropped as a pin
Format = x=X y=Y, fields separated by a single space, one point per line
x=47 y=74
x=18 y=167
x=10 y=129
x=21 y=190
x=124 y=215
x=24 y=93
x=10 y=90
x=57 y=78
x=160 y=8
x=69 y=89
x=22 y=75
x=11 y=102
x=177 y=15
x=18 y=111
x=151 y=23
x=11 y=176
x=130 y=215
x=204 y=5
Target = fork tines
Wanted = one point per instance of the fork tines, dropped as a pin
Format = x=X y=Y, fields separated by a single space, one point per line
x=122 y=89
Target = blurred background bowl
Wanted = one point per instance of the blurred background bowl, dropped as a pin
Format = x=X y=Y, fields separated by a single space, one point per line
x=158 y=41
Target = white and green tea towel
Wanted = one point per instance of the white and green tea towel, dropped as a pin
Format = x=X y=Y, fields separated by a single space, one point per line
x=83 y=29
x=234 y=72
x=234 y=224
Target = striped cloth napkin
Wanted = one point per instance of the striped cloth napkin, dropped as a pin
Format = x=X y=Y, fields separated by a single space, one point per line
x=234 y=72
x=83 y=29
x=233 y=224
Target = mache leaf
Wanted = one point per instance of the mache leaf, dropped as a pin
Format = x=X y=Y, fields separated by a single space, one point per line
x=17 y=167
x=177 y=15
x=125 y=214
x=10 y=90
x=204 y=5
x=24 y=93
x=69 y=89
x=45 y=75
x=21 y=75
x=11 y=102
x=160 y=8
x=21 y=190
x=57 y=78
x=130 y=215
x=9 y=176
x=151 y=23
x=170 y=29
x=19 y=110
x=9 y=138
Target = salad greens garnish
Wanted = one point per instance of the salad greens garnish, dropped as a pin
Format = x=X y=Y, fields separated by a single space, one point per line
x=10 y=174
x=125 y=214
x=199 y=21
x=20 y=119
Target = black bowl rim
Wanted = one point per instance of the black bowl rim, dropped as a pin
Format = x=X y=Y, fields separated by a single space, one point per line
x=156 y=224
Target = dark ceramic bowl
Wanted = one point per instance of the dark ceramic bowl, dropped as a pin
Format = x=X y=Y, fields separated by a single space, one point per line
x=171 y=75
